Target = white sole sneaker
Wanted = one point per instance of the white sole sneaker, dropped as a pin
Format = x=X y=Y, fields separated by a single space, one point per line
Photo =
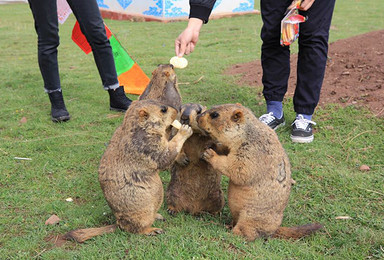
x=280 y=125
x=302 y=139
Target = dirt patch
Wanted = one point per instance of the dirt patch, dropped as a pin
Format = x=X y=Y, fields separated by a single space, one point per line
x=56 y=240
x=354 y=73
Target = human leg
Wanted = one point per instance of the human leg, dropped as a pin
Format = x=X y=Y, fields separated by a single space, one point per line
x=92 y=25
x=275 y=61
x=312 y=58
x=46 y=26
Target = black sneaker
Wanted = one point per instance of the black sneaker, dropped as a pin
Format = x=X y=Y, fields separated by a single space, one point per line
x=59 y=112
x=272 y=121
x=302 y=130
x=118 y=100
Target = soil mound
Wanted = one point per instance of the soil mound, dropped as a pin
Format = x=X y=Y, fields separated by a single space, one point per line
x=354 y=73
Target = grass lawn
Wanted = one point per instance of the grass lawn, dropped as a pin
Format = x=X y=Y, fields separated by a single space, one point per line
x=65 y=157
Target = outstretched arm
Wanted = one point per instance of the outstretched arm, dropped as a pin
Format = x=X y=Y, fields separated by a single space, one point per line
x=199 y=14
x=187 y=40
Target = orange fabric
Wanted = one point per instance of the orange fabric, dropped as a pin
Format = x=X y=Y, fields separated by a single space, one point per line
x=134 y=80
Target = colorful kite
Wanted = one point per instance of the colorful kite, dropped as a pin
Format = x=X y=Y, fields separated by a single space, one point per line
x=129 y=73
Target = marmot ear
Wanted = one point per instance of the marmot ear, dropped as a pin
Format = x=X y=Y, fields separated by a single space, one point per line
x=237 y=115
x=143 y=114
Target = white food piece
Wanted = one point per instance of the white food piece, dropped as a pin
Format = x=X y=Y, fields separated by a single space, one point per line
x=69 y=199
x=178 y=62
x=343 y=217
x=176 y=124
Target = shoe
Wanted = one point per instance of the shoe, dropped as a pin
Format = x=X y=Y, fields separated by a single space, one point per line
x=302 y=130
x=118 y=100
x=59 y=112
x=272 y=121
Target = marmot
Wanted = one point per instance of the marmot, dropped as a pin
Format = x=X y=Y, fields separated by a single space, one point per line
x=195 y=187
x=129 y=168
x=163 y=87
x=258 y=170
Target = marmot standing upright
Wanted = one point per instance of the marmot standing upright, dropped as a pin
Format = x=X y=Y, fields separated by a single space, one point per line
x=129 y=168
x=163 y=87
x=195 y=187
x=258 y=170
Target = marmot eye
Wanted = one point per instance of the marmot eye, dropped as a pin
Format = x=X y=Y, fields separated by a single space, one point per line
x=213 y=115
x=199 y=111
x=164 y=109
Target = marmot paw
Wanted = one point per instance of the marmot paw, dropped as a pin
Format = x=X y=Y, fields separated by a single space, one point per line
x=155 y=232
x=208 y=154
x=182 y=159
x=171 y=211
x=186 y=131
x=160 y=217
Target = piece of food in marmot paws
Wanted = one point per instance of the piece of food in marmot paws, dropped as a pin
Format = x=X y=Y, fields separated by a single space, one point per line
x=176 y=124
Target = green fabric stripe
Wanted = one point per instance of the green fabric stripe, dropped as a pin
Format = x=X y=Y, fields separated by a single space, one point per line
x=123 y=62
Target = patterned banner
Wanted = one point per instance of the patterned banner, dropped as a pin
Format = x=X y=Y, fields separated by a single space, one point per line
x=130 y=75
x=63 y=10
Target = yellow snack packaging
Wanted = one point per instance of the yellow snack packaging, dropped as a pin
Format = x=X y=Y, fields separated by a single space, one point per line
x=290 y=25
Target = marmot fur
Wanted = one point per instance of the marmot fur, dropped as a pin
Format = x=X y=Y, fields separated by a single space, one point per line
x=163 y=87
x=129 y=168
x=195 y=187
x=258 y=170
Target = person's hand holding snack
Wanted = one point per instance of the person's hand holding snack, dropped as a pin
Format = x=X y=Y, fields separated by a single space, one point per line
x=185 y=43
x=303 y=6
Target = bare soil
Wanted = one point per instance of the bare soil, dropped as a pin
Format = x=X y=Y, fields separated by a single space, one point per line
x=354 y=73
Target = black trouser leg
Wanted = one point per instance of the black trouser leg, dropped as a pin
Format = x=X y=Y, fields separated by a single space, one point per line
x=274 y=57
x=313 y=48
x=92 y=25
x=312 y=59
x=46 y=25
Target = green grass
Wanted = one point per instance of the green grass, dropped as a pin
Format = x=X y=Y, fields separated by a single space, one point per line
x=65 y=157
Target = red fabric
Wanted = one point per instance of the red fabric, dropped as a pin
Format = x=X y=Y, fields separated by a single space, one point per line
x=79 y=38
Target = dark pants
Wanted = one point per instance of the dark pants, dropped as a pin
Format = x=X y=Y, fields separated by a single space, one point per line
x=312 y=57
x=88 y=15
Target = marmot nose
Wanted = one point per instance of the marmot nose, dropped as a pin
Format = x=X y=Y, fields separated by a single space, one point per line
x=184 y=119
x=198 y=117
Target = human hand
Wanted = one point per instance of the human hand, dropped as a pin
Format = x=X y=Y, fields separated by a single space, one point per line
x=304 y=6
x=187 y=40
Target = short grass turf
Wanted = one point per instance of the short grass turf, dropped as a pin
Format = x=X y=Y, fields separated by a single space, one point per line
x=65 y=157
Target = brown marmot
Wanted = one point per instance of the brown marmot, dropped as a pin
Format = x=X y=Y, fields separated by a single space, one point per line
x=129 y=168
x=163 y=87
x=195 y=187
x=258 y=170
